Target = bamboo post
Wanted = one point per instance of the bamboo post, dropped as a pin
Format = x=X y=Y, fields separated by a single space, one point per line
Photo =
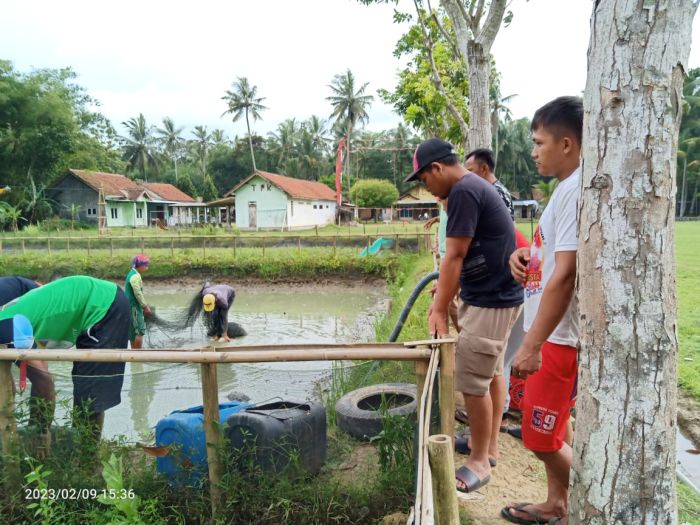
x=24 y=250
x=396 y=243
x=9 y=440
x=48 y=245
x=442 y=472
x=317 y=230
x=142 y=245
x=172 y=246
x=447 y=388
x=421 y=374
x=68 y=244
x=212 y=431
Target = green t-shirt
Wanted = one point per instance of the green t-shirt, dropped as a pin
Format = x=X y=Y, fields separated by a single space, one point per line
x=63 y=309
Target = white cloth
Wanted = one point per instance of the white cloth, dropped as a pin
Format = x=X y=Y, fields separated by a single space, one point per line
x=556 y=232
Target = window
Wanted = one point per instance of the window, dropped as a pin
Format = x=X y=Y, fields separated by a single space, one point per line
x=91 y=212
x=113 y=211
x=314 y=206
x=139 y=213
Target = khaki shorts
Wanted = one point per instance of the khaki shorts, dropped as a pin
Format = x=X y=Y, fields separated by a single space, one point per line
x=481 y=346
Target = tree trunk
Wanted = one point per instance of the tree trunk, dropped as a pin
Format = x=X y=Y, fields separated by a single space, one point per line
x=624 y=448
x=250 y=141
x=479 y=100
x=474 y=43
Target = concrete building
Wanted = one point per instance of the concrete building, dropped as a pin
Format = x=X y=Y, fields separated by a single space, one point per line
x=275 y=202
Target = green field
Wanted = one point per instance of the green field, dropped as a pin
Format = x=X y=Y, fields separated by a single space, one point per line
x=688 y=292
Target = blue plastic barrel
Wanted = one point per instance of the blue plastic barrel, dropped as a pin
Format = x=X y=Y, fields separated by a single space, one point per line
x=183 y=432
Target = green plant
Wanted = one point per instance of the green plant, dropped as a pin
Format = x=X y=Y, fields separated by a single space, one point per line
x=123 y=501
x=46 y=509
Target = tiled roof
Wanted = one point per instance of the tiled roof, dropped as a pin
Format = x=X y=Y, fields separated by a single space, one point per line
x=112 y=183
x=168 y=192
x=120 y=187
x=297 y=188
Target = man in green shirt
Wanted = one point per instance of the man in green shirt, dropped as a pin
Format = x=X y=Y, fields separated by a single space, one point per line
x=88 y=313
x=137 y=301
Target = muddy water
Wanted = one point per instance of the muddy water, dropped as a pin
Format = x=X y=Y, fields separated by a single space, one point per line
x=270 y=315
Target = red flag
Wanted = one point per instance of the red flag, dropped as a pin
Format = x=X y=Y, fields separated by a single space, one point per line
x=338 y=169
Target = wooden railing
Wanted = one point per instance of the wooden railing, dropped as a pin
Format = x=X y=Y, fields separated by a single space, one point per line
x=425 y=354
x=90 y=244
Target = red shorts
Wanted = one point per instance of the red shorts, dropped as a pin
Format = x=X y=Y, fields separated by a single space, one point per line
x=549 y=394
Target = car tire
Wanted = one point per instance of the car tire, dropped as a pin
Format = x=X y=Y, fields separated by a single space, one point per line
x=359 y=414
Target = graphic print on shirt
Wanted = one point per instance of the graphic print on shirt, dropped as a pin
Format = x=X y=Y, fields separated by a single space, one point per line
x=533 y=275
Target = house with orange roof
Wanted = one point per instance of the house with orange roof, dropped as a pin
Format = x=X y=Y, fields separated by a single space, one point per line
x=127 y=203
x=276 y=202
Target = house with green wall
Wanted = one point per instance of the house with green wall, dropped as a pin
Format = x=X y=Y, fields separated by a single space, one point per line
x=268 y=201
x=126 y=202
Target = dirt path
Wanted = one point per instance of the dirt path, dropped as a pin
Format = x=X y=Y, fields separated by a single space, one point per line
x=519 y=476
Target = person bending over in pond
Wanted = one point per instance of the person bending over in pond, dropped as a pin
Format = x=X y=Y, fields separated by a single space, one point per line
x=215 y=300
x=88 y=313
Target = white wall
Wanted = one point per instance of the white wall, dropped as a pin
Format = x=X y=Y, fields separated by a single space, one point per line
x=301 y=213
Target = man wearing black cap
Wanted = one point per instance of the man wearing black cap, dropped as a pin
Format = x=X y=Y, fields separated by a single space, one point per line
x=480 y=239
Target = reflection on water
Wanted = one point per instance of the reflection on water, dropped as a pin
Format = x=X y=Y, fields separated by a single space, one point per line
x=327 y=314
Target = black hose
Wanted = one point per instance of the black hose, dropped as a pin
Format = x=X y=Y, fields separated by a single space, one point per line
x=409 y=305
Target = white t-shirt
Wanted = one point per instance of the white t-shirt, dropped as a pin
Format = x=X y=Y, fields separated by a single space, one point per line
x=556 y=232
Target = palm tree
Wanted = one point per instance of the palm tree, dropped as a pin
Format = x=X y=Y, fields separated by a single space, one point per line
x=171 y=140
x=201 y=145
x=349 y=107
x=138 y=146
x=284 y=141
x=243 y=100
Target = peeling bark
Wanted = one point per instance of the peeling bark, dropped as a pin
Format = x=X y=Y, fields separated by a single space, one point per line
x=474 y=42
x=624 y=449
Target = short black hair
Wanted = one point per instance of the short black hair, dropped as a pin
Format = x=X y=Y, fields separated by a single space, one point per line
x=483 y=156
x=561 y=115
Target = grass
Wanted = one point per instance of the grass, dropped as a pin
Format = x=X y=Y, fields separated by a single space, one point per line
x=688 y=505
x=688 y=293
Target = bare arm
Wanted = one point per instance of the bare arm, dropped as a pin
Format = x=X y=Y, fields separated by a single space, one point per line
x=448 y=283
x=556 y=297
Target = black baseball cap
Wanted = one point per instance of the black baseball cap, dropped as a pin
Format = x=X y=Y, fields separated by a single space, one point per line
x=427 y=152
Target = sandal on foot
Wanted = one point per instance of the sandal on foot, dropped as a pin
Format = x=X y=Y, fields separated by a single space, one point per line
x=536 y=519
x=462 y=447
x=470 y=480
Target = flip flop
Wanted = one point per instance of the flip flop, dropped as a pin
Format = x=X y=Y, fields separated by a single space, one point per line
x=461 y=416
x=520 y=507
x=462 y=447
x=516 y=432
x=470 y=480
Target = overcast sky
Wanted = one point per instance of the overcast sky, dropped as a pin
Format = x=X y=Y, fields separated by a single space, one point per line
x=177 y=58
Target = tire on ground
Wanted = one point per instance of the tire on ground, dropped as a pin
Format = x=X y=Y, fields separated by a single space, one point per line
x=359 y=413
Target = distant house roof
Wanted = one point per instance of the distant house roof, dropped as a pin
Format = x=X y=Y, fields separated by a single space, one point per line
x=114 y=185
x=168 y=192
x=418 y=194
x=118 y=186
x=296 y=188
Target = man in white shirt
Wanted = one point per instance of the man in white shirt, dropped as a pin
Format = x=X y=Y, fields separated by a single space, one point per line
x=547 y=270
